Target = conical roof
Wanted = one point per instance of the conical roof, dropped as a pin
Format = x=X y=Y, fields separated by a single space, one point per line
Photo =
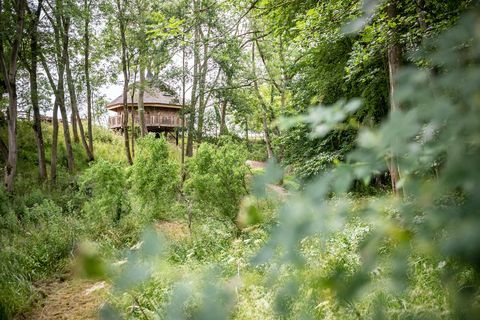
x=151 y=97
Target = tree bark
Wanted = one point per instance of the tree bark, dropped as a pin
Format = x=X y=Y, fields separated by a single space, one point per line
x=62 y=61
x=121 y=21
x=8 y=68
x=264 y=106
x=53 y=160
x=73 y=120
x=37 y=124
x=133 y=116
x=141 y=92
x=394 y=63
x=223 y=116
x=246 y=132
x=193 y=102
x=86 y=38
x=3 y=150
x=184 y=79
x=201 y=91
x=73 y=99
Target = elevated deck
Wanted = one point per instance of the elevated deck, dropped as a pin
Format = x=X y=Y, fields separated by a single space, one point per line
x=152 y=122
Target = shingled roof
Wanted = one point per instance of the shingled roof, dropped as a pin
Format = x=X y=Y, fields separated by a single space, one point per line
x=151 y=97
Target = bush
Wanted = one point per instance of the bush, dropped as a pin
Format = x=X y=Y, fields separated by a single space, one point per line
x=216 y=178
x=105 y=183
x=155 y=175
x=38 y=249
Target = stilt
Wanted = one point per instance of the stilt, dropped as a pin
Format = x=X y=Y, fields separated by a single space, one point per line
x=176 y=137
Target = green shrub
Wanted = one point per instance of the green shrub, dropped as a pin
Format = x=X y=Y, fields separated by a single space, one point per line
x=39 y=248
x=216 y=178
x=155 y=175
x=105 y=183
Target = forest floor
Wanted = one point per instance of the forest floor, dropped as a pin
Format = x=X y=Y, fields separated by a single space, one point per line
x=259 y=165
x=68 y=298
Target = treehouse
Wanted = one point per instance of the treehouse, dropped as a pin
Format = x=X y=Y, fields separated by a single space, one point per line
x=162 y=112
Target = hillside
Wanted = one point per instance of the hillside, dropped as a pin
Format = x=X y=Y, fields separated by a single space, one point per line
x=266 y=159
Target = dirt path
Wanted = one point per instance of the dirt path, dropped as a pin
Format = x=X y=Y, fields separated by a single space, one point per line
x=279 y=190
x=69 y=299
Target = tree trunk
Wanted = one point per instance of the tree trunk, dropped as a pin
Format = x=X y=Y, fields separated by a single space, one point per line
x=223 y=121
x=3 y=150
x=53 y=160
x=264 y=107
x=8 y=68
x=184 y=77
x=133 y=126
x=246 y=132
x=125 y=78
x=73 y=98
x=141 y=91
x=267 y=136
x=86 y=38
x=73 y=120
x=394 y=63
x=37 y=124
x=196 y=58
x=60 y=87
x=74 y=102
x=201 y=91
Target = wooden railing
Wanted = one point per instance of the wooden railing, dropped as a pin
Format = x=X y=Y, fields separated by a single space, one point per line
x=150 y=121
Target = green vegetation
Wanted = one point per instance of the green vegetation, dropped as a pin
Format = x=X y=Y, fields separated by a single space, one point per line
x=216 y=178
x=328 y=167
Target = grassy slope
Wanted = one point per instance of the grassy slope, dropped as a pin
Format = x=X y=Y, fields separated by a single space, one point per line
x=39 y=246
x=40 y=225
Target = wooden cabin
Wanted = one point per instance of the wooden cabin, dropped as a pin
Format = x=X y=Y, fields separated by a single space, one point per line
x=162 y=112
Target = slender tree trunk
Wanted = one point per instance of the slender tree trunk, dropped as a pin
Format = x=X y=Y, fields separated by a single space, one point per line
x=11 y=164
x=201 y=89
x=267 y=136
x=3 y=146
x=86 y=38
x=60 y=86
x=184 y=77
x=74 y=102
x=121 y=22
x=73 y=121
x=141 y=92
x=3 y=150
x=191 y=121
x=37 y=124
x=246 y=132
x=133 y=120
x=264 y=106
x=8 y=68
x=394 y=63
x=53 y=160
x=223 y=116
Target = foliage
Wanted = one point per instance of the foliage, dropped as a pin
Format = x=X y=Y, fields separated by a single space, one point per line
x=216 y=178
x=105 y=183
x=24 y=259
x=436 y=153
x=409 y=256
x=155 y=174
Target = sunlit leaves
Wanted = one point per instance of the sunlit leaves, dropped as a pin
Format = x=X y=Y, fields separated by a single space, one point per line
x=324 y=119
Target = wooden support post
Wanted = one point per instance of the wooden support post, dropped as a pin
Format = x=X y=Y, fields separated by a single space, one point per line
x=176 y=137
